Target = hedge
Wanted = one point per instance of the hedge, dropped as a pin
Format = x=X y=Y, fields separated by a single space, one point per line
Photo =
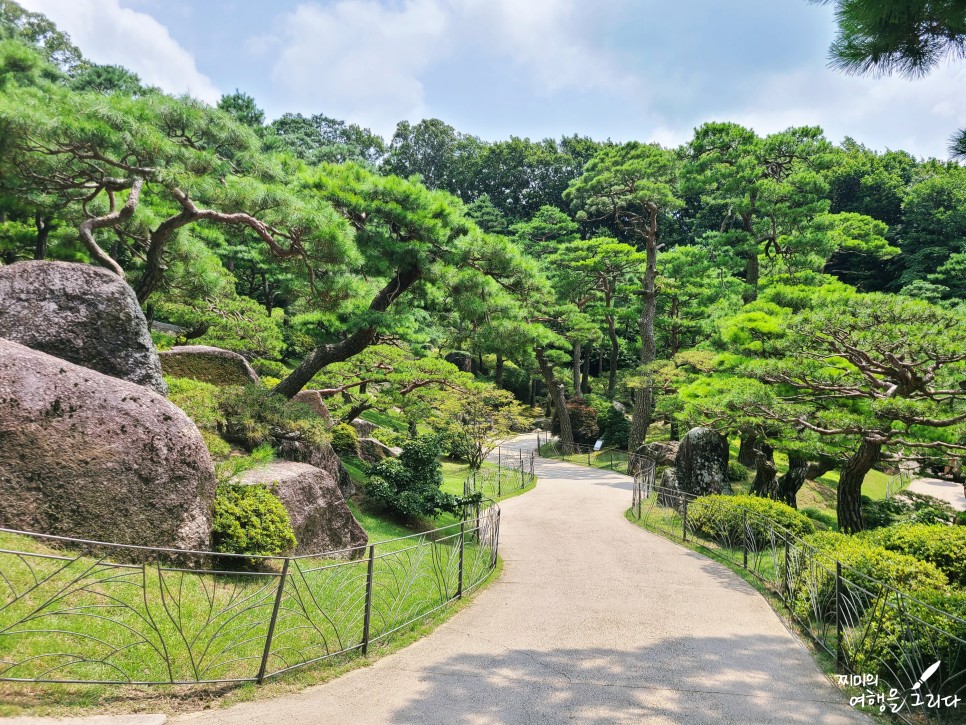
x=944 y=546
x=722 y=518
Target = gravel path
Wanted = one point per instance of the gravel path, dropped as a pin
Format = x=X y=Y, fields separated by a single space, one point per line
x=592 y=621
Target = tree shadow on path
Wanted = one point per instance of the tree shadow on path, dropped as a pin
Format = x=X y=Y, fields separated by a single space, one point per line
x=680 y=680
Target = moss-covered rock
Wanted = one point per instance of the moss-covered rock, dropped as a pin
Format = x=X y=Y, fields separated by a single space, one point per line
x=207 y=364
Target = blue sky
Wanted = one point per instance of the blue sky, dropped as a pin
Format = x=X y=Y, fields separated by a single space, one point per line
x=622 y=69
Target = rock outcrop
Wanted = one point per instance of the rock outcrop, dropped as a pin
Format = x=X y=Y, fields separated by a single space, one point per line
x=363 y=427
x=90 y=456
x=313 y=399
x=372 y=450
x=79 y=313
x=208 y=364
x=701 y=464
x=462 y=360
x=663 y=453
x=320 y=518
x=320 y=456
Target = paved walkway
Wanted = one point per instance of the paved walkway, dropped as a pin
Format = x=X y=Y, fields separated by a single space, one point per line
x=948 y=491
x=593 y=621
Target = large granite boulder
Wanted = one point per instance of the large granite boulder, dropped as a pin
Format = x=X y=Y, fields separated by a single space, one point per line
x=321 y=456
x=313 y=399
x=701 y=464
x=372 y=450
x=320 y=518
x=90 y=456
x=79 y=313
x=208 y=364
x=363 y=427
x=663 y=453
x=462 y=360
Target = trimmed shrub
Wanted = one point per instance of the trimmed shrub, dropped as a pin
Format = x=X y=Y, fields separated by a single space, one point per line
x=901 y=571
x=738 y=473
x=255 y=416
x=270 y=368
x=944 y=546
x=409 y=486
x=583 y=420
x=615 y=426
x=824 y=520
x=902 y=643
x=345 y=439
x=907 y=507
x=814 y=586
x=722 y=518
x=249 y=519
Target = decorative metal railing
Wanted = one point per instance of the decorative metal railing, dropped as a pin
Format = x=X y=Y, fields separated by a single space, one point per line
x=610 y=459
x=883 y=640
x=510 y=470
x=75 y=611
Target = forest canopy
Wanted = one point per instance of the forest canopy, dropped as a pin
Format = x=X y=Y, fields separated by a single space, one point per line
x=798 y=294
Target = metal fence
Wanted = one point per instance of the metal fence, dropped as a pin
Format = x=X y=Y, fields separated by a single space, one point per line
x=882 y=639
x=73 y=611
x=513 y=471
x=609 y=459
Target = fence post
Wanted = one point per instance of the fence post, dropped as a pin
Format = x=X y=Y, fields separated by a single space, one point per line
x=459 y=585
x=612 y=460
x=684 y=519
x=523 y=480
x=271 y=622
x=744 y=538
x=839 y=658
x=788 y=575
x=588 y=457
x=499 y=462
x=368 y=614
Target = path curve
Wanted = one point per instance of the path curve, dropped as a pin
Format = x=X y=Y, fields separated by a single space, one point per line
x=593 y=621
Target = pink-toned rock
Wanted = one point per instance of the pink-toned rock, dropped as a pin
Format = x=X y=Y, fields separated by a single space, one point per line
x=313 y=399
x=79 y=313
x=320 y=518
x=90 y=456
x=208 y=364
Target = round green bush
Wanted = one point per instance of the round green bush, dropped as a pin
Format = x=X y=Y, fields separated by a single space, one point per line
x=345 y=439
x=905 y=637
x=944 y=546
x=723 y=518
x=864 y=565
x=249 y=519
x=738 y=473
x=270 y=367
x=615 y=426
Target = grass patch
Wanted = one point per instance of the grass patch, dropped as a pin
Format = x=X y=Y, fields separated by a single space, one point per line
x=386 y=420
x=223 y=619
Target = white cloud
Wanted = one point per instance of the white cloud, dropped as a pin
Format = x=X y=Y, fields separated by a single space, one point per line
x=917 y=116
x=360 y=58
x=367 y=61
x=109 y=34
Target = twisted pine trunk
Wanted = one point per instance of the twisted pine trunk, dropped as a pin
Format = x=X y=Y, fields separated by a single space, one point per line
x=849 y=506
x=559 y=402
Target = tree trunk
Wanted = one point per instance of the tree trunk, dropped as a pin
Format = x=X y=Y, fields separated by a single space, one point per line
x=614 y=353
x=585 y=372
x=644 y=397
x=559 y=402
x=358 y=341
x=793 y=479
x=355 y=411
x=817 y=469
x=751 y=278
x=849 y=505
x=575 y=370
x=498 y=371
x=43 y=233
x=747 y=451
x=765 y=483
